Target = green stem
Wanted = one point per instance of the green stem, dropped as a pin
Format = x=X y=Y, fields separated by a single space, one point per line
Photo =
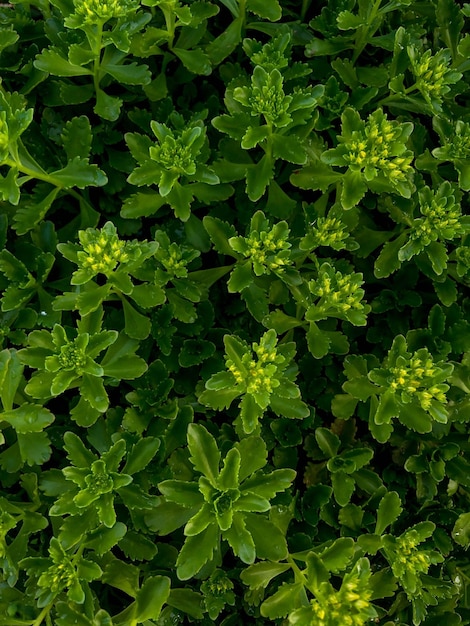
x=242 y=6
x=47 y=178
x=97 y=56
x=365 y=31
x=398 y=96
x=304 y=9
x=170 y=26
x=40 y=618
x=299 y=575
x=269 y=141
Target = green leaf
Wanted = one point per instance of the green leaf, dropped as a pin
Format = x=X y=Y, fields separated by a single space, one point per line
x=151 y=597
x=388 y=260
x=328 y=442
x=267 y=485
x=137 y=326
x=148 y=296
x=51 y=61
x=240 y=539
x=27 y=217
x=142 y=204
x=205 y=455
x=388 y=511
x=316 y=176
x=259 y=575
x=34 y=447
x=267 y=9
x=9 y=187
x=414 y=417
x=103 y=539
x=461 y=530
x=28 y=418
x=337 y=556
x=77 y=137
x=79 y=173
x=354 y=189
x=318 y=342
x=269 y=540
x=250 y=413
x=240 y=277
x=196 y=61
x=253 y=136
x=225 y=43
x=180 y=198
x=253 y=456
x=343 y=487
x=107 y=107
x=258 y=177
x=92 y=389
x=289 y=149
x=290 y=407
x=130 y=74
x=140 y=455
x=286 y=598
x=196 y=552
x=11 y=371
x=387 y=408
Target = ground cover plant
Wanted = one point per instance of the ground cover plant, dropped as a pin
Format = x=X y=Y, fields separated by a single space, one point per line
x=234 y=312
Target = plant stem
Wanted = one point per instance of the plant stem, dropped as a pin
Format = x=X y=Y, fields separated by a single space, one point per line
x=365 y=31
x=304 y=9
x=170 y=26
x=47 y=178
x=40 y=618
x=97 y=56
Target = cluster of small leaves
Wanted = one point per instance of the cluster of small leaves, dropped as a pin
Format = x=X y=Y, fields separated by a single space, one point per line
x=234 y=313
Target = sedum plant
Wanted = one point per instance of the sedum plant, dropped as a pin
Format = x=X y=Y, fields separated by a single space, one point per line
x=261 y=375
x=226 y=503
x=375 y=155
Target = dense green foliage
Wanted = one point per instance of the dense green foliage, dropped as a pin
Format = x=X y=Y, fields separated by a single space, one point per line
x=234 y=312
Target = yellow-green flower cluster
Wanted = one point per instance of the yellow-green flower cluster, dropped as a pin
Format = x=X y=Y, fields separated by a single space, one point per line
x=414 y=376
x=409 y=559
x=341 y=609
x=269 y=98
x=350 y=606
x=377 y=148
x=268 y=251
x=266 y=248
x=102 y=250
x=174 y=154
x=58 y=577
x=96 y=11
x=442 y=215
x=337 y=292
x=258 y=374
x=460 y=145
x=174 y=262
x=72 y=355
x=329 y=231
x=433 y=74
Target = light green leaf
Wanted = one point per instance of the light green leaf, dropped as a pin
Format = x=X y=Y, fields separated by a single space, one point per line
x=28 y=418
x=51 y=61
x=79 y=173
x=205 y=455
x=195 y=61
x=388 y=511
x=196 y=552
x=130 y=74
